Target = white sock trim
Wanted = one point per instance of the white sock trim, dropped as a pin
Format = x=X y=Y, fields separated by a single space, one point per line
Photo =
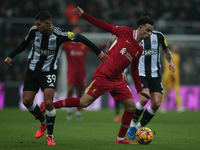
x=51 y=113
x=32 y=107
x=150 y=110
x=120 y=138
x=138 y=126
x=139 y=106
x=133 y=124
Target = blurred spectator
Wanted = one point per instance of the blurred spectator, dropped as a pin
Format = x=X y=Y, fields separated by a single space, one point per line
x=171 y=16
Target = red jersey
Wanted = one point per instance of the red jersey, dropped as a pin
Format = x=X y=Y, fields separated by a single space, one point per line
x=124 y=51
x=76 y=53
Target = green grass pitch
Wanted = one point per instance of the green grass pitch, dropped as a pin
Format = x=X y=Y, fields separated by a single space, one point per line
x=173 y=131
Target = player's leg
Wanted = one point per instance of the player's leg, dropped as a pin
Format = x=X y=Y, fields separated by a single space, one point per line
x=79 y=93
x=139 y=110
x=122 y=93
x=151 y=110
x=117 y=108
x=69 y=94
x=130 y=108
x=50 y=112
x=33 y=108
x=179 y=104
x=156 y=90
x=31 y=87
x=165 y=92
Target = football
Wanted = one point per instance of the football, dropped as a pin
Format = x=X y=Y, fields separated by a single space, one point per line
x=144 y=135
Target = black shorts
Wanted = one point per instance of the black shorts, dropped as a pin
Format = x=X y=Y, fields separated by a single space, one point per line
x=36 y=80
x=153 y=84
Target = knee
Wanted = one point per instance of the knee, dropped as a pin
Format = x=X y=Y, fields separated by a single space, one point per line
x=28 y=103
x=155 y=106
x=49 y=104
x=143 y=101
x=131 y=108
x=84 y=104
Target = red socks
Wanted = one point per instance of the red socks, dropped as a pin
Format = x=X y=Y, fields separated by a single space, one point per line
x=68 y=102
x=126 y=120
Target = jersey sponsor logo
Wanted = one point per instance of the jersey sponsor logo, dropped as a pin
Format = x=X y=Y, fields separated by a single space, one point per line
x=128 y=42
x=148 y=52
x=76 y=53
x=44 y=51
x=128 y=56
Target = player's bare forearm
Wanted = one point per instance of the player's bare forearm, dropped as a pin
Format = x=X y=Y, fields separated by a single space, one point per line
x=168 y=55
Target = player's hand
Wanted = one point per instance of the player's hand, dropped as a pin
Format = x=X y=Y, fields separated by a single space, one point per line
x=103 y=57
x=8 y=61
x=145 y=94
x=78 y=11
x=171 y=67
x=124 y=76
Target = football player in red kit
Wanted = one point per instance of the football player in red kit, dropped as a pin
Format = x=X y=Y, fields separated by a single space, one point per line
x=76 y=53
x=125 y=49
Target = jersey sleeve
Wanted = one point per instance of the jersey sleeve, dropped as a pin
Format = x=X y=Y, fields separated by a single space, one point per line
x=135 y=74
x=98 y=23
x=163 y=41
x=28 y=39
x=31 y=34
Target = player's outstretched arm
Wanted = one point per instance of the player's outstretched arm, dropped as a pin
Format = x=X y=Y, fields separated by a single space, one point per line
x=98 y=23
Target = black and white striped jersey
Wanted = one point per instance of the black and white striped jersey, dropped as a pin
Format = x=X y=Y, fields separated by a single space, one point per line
x=46 y=49
x=149 y=63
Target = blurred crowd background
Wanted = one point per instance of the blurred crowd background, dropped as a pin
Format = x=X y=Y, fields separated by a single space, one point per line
x=172 y=17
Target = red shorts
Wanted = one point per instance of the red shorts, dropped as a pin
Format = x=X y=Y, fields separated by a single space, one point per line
x=79 y=80
x=101 y=84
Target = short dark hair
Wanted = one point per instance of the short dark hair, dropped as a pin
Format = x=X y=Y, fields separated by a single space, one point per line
x=145 y=18
x=43 y=15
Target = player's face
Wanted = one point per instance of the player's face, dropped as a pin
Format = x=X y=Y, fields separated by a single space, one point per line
x=42 y=26
x=146 y=31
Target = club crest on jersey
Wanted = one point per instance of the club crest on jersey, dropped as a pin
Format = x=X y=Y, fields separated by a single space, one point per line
x=53 y=42
x=38 y=40
x=154 y=42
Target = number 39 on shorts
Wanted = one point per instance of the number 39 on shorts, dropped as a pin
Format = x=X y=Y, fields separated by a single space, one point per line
x=51 y=78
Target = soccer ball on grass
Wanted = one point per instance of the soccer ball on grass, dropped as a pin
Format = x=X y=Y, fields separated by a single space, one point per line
x=144 y=135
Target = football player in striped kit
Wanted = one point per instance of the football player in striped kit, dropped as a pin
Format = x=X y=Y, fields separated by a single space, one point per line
x=150 y=76
x=46 y=41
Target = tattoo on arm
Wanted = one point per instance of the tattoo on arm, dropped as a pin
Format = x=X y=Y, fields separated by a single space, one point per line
x=168 y=55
